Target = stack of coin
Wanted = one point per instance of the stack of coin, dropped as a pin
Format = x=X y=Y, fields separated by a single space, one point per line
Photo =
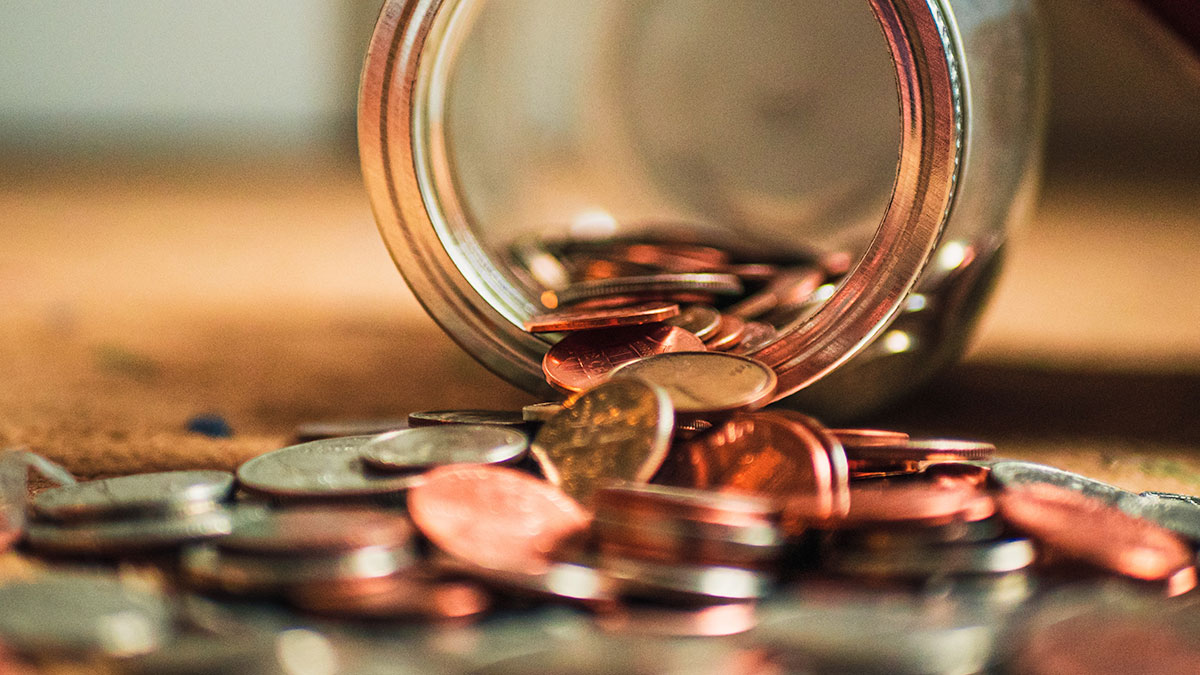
x=131 y=514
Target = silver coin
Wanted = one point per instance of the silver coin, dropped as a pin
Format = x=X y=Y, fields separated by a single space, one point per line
x=564 y=581
x=689 y=282
x=1181 y=516
x=425 y=447
x=995 y=557
x=541 y=412
x=699 y=320
x=327 y=469
x=1171 y=496
x=316 y=431
x=82 y=614
x=507 y=418
x=209 y=567
x=116 y=537
x=142 y=494
x=1013 y=473
x=704 y=583
x=755 y=336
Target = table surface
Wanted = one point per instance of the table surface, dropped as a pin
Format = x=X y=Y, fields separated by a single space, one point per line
x=136 y=297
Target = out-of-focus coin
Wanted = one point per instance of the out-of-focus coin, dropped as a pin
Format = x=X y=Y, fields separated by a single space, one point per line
x=587 y=319
x=938 y=450
x=699 y=320
x=677 y=502
x=853 y=438
x=892 y=504
x=899 y=536
x=398 y=597
x=1072 y=526
x=721 y=284
x=584 y=359
x=541 y=412
x=621 y=430
x=564 y=581
x=957 y=474
x=212 y=568
x=790 y=288
x=139 y=494
x=539 y=263
x=1181 y=516
x=756 y=336
x=82 y=614
x=120 y=537
x=429 y=418
x=424 y=447
x=839 y=469
x=705 y=383
x=1015 y=474
x=695 y=583
x=494 y=517
x=318 y=529
x=316 y=431
x=728 y=334
x=325 y=469
x=988 y=557
x=658 y=621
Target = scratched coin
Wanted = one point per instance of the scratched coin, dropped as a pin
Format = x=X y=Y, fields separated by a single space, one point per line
x=789 y=289
x=325 y=469
x=586 y=319
x=494 y=517
x=584 y=359
x=705 y=383
x=142 y=494
x=424 y=447
x=699 y=320
x=755 y=336
x=619 y=431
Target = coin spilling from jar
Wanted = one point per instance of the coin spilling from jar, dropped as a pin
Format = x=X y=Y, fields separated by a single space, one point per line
x=660 y=501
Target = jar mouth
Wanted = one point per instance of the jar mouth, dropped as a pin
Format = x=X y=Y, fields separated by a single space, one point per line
x=434 y=208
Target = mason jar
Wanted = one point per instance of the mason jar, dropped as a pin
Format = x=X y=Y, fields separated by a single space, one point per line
x=904 y=133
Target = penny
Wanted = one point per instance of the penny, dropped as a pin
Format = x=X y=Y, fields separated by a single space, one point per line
x=584 y=359
x=316 y=431
x=210 y=567
x=705 y=383
x=757 y=453
x=1076 y=527
x=695 y=583
x=118 y=537
x=755 y=336
x=424 y=447
x=587 y=319
x=674 y=540
x=621 y=430
x=952 y=474
x=400 y=597
x=790 y=288
x=698 y=505
x=494 y=517
x=616 y=301
x=541 y=412
x=728 y=334
x=82 y=614
x=895 y=536
x=989 y=557
x=699 y=320
x=318 y=529
x=939 y=450
x=325 y=469
x=144 y=494
x=852 y=438
x=893 y=504
x=653 y=620
x=1014 y=474
x=428 y=418
x=656 y=284
x=839 y=466
x=559 y=580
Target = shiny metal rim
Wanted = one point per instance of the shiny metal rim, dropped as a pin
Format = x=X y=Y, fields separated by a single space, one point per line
x=403 y=160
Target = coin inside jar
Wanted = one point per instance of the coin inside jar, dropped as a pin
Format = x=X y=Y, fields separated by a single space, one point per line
x=423 y=447
x=138 y=494
x=584 y=359
x=705 y=383
x=699 y=320
x=722 y=284
x=574 y=319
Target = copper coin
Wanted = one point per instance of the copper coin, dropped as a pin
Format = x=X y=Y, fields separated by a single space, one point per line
x=756 y=336
x=713 y=584
x=688 y=542
x=757 y=453
x=620 y=430
x=318 y=529
x=938 y=450
x=586 y=319
x=584 y=359
x=396 y=597
x=315 y=431
x=626 y=300
x=702 y=282
x=988 y=557
x=838 y=465
x=699 y=320
x=1075 y=527
x=879 y=505
x=494 y=517
x=728 y=334
x=705 y=383
x=790 y=288
x=429 y=418
x=853 y=438
x=863 y=469
x=686 y=503
x=752 y=272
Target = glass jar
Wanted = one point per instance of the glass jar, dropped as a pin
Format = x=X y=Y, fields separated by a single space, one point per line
x=904 y=133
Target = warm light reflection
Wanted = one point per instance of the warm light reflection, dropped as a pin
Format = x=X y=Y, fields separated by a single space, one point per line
x=897 y=342
x=593 y=224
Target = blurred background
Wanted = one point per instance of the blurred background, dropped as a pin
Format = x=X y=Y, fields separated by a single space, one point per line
x=186 y=232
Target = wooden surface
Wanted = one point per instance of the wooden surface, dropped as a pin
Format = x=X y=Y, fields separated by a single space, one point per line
x=134 y=300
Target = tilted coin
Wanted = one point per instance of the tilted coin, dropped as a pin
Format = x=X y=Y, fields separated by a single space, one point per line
x=584 y=359
x=325 y=469
x=1013 y=474
x=434 y=417
x=705 y=383
x=494 y=517
x=119 y=537
x=316 y=431
x=722 y=284
x=541 y=412
x=1181 y=516
x=82 y=614
x=987 y=557
x=898 y=536
x=699 y=320
x=397 y=597
x=424 y=447
x=702 y=583
x=934 y=450
x=621 y=430
x=728 y=334
x=138 y=494
x=318 y=529
x=212 y=568
x=585 y=319
x=539 y=263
